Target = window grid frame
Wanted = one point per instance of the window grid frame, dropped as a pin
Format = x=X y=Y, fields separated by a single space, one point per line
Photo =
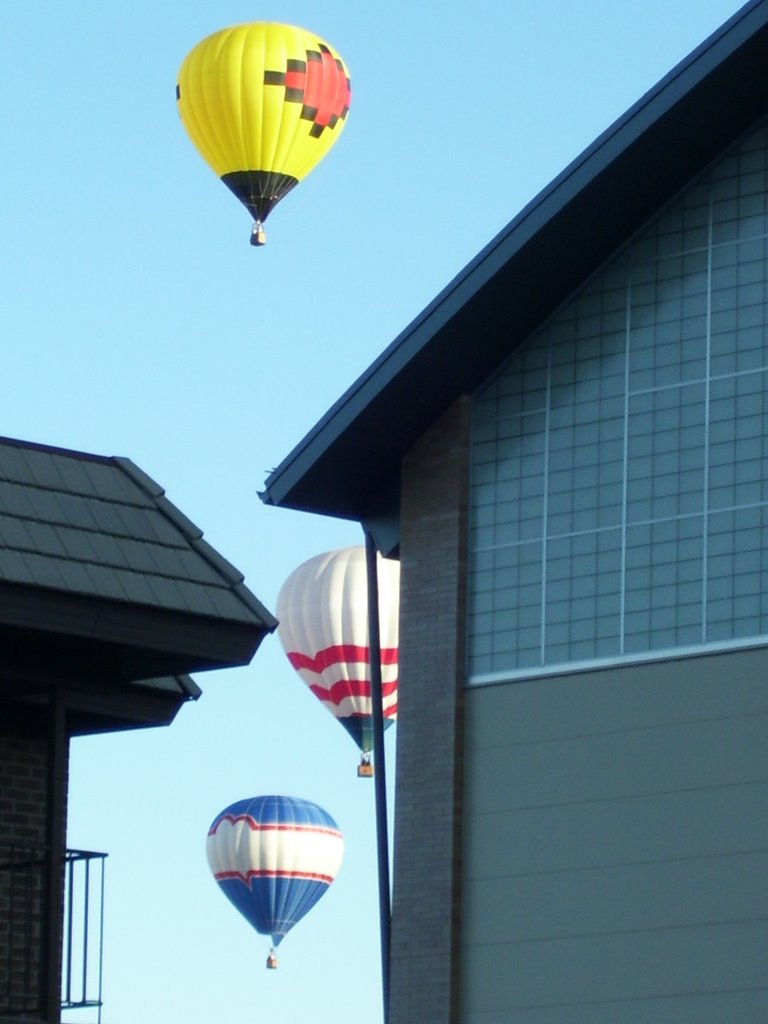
x=649 y=271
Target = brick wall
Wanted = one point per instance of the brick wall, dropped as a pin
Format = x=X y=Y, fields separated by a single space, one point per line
x=23 y=780
x=433 y=553
x=23 y=800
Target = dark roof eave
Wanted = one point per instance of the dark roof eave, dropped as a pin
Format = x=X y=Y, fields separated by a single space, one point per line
x=145 y=641
x=96 y=704
x=528 y=270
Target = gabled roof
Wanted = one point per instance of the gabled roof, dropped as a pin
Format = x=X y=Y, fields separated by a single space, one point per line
x=348 y=464
x=104 y=582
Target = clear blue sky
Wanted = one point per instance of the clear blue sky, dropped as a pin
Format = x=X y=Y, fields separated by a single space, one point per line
x=138 y=321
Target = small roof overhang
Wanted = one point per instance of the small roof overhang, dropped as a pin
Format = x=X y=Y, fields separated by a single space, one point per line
x=109 y=595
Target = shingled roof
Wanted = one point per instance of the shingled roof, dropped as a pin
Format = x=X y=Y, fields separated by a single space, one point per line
x=105 y=582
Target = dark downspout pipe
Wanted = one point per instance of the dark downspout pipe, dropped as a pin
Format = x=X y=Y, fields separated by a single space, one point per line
x=56 y=846
x=379 y=777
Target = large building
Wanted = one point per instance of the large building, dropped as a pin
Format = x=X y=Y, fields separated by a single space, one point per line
x=576 y=485
x=109 y=597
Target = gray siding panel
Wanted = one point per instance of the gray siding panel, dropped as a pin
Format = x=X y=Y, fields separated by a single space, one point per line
x=616 y=846
x=618 y=898
x=661 y=693
x=709 y=1008
x=573 y=768
x=664 y=826
x=624 y=968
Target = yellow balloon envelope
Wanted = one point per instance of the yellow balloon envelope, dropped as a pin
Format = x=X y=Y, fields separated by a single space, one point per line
x=263 y=103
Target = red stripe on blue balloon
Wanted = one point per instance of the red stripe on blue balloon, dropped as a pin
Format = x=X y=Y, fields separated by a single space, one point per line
x=272 y=826
x=269 y=873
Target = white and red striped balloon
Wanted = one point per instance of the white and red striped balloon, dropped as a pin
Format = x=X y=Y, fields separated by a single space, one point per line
x=322 y=609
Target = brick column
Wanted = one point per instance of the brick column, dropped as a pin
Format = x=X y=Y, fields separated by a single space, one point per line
x=23 y=786
x=33 y=797
x=433 y=555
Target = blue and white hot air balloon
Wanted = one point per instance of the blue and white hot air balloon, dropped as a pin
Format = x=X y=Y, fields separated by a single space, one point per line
x=274 y=857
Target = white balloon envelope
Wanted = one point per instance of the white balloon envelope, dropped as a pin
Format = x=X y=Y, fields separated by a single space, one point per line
x=322 y=610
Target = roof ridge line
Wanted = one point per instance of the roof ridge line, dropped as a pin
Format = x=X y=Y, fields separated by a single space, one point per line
x=52 y=449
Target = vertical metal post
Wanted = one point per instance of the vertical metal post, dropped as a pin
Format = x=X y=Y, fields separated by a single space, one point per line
x=67 y=972
x=379 y=777
x=101 y=941
x=86 y=916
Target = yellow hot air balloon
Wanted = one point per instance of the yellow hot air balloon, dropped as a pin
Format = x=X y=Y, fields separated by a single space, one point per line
x=263 y=103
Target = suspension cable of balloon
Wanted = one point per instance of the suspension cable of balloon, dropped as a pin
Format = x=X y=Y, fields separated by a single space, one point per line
x=380 y=782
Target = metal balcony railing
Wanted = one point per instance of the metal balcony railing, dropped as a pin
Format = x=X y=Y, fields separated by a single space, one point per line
x=22 y=970
x=83 y=946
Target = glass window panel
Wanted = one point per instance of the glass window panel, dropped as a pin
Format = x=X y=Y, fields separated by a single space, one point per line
x=484 y=474
x=483 y=537
x=525 y=657
x=686 y=298
x=482 y=577
x=480 y=604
